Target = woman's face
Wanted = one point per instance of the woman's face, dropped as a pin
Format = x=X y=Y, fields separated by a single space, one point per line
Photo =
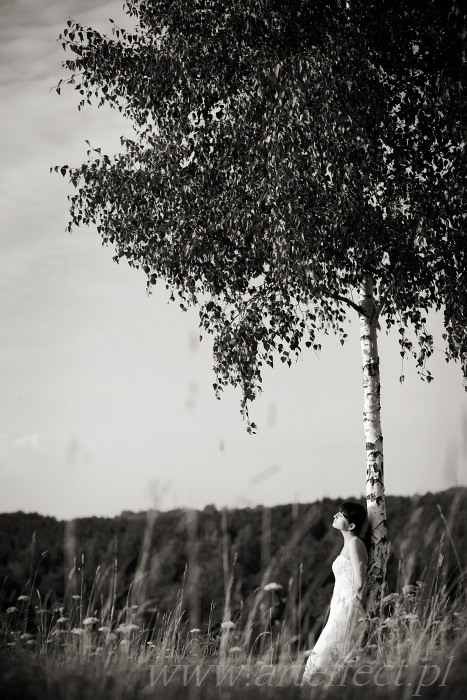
x=340 y=522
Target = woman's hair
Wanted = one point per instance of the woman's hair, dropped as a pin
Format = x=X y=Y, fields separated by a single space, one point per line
x=357 y=515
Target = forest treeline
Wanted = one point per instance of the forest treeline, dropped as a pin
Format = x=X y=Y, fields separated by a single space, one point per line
x=152 y=559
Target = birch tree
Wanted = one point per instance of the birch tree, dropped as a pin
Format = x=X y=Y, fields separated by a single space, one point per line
x=292 y=163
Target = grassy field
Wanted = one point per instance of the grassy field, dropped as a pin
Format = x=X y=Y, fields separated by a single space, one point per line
x=86 y=648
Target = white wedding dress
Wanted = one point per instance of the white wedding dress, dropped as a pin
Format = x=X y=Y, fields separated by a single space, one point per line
x=345 y=626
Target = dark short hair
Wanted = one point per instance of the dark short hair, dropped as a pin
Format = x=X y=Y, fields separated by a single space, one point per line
x=356 y=514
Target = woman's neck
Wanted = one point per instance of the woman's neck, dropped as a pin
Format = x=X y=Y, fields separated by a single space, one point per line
x=348 y=535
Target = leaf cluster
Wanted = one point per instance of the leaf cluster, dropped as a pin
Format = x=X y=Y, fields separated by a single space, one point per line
x=283 y=151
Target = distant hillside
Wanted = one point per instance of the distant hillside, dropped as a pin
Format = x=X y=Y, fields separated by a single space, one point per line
x=155 y=553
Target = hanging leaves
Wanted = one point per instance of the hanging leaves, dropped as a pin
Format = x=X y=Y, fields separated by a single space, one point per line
x=281 y=152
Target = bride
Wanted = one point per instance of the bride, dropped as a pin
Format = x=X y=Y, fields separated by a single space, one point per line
x=346 y=623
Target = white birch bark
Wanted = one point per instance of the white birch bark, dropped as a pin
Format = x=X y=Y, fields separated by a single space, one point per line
x=375 y=498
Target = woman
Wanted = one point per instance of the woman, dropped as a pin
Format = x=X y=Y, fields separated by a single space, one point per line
x=346 y=622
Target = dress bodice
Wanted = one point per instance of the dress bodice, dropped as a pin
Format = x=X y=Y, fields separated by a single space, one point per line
x=342 y=570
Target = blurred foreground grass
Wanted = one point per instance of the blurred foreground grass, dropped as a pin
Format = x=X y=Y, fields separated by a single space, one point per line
x=84 y=648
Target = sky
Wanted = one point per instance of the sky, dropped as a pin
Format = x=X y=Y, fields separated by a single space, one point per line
x=106 y=399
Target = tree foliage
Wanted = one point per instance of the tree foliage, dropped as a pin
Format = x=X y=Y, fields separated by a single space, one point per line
x=282 y=151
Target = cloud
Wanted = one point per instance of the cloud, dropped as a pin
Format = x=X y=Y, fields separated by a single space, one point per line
x=29 y=50
x=39 y=264
x=27 y=441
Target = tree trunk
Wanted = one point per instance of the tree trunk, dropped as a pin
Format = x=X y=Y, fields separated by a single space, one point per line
x=376 y=504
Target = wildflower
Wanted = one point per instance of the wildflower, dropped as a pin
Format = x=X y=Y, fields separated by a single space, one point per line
x=411 y=617
x=77 y=630
x=235 y=650
x=76 y=597
x=409 y=589
x=62 y=620
x=195 y=630
x=388 y=622
x=103 y=629
x=227 y=625
x=26 y=637
x=392 y=597
x=23 y=597
x=11 y=610
x=273 y=586
x=90 y=621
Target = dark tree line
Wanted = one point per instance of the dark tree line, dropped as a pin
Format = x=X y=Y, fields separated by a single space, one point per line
x=293 y=546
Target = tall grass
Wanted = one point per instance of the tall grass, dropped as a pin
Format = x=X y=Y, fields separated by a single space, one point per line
x=85 y=647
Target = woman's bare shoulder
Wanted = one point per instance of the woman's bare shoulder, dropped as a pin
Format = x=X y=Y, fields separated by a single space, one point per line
x=358 y=546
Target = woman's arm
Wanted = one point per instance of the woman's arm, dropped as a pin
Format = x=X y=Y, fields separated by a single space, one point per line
x=359 y=560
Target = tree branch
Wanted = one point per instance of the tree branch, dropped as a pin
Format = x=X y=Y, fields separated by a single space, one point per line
x=351 y=303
